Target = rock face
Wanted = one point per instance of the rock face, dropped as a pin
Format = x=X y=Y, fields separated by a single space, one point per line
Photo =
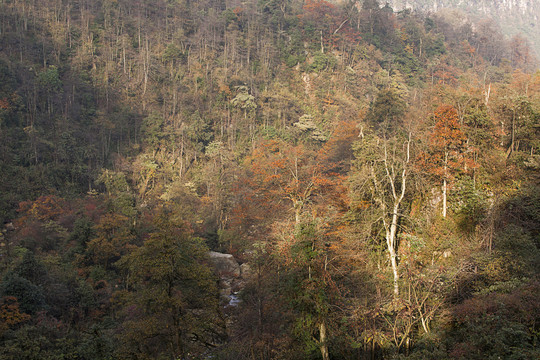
x=513 y=16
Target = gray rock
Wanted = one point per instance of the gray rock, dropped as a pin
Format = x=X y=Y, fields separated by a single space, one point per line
x=232 y=277
x=225 y=265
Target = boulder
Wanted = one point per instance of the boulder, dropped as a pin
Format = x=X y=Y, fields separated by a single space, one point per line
x=232 y=277
x=225 y=265
x=225 y=288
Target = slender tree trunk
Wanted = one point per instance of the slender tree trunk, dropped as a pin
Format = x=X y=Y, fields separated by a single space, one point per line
x=424 y=322
x=391 y=243
x=297 y=211
x=445 y=184
x=393 y=261
x=259 y=300
x=323 y=341
x=444 y=191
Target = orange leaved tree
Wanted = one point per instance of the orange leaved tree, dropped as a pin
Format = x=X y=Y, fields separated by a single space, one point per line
x=447 y=153
x=284 y=172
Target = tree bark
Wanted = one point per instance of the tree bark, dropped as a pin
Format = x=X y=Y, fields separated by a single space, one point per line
x=397 y=196
x=444 y=191
x=323 y=341
x=445 y=185
x=297 y=205
x=391 y=243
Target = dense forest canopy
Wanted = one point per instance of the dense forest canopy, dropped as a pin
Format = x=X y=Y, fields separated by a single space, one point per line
x=376 y=173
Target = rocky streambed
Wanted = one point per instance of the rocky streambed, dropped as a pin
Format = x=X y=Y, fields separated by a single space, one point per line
x=232 y=277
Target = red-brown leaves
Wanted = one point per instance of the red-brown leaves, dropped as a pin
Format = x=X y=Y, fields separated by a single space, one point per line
x=47 y=207
x=330 y=22
x=10 y=314
x=447 y=152
x=447 y=133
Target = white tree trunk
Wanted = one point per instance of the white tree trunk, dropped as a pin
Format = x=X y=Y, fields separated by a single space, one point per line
x=297 y=205
x=397 y=197
x=444 y=191
x=393 y=262
x=391 y=243
x=323 y=343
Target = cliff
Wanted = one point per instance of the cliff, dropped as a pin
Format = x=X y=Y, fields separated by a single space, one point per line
x=513 y=16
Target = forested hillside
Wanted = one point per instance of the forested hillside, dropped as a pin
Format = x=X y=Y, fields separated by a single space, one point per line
x=375 y=172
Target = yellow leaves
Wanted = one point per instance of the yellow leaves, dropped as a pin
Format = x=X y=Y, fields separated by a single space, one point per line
x=10 y=314
x=113 y=238
x=409 y=48
x=205 y=199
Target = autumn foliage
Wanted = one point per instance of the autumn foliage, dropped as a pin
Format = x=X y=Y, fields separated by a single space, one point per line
x=318 y=142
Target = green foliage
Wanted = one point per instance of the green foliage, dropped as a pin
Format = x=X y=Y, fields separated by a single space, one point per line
x=308 y=288
x=408 y=65
x=293 y=60
x=244 y=100
x=29 y=295
x=39 y=342
x=518 y=237
x=321 y=62
x=496 y=326
x=120 y=196
x=172 y=53
x=98 y=342
x=83 y=232
x=30 y=268
x=469 y=203
x=152 y=130
x=229 y=16
x=435 y=45
x=304 y=250
x=386 y=112
x=172 y=297
x=50 y=79
x=199 y=130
